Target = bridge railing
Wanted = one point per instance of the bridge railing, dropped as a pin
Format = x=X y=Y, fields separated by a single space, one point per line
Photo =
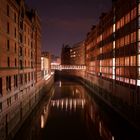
x=68 y=67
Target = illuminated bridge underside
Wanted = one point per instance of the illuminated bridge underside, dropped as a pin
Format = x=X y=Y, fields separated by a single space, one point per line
x=68 y=67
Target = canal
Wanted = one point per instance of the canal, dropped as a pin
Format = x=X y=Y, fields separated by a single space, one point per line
x=71 y=112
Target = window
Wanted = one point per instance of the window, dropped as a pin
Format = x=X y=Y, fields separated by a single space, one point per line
x=31 y=64
x=25 y=51
x=8 y=83
x=25 y=39
x=15 y=47
x=127 y=18
x=15 y=62
x=16 y=96
x=32 y=76
x=8 y=28
x=21 y=24
x=21 y=65
x=25 y=78
x=9 y=101
x=15 y=17
x=20 y=38
x=8 y=62
x=114 y=28
x=133 y=36
x=15 y=32
x=20 y=51
x=8 y=45
x=8 y=10
x=21 y=79
x=0 y=86
x=28 y=76
x=15 y=81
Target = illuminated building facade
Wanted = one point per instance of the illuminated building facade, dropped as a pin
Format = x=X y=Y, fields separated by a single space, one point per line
x=20 y=63
x=113 y=52
x=45 y=64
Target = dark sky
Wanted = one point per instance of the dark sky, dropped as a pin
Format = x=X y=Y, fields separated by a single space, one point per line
x=67 y=21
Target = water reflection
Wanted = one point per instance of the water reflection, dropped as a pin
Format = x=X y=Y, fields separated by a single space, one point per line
x=44 y=116
x=68 y=104
x=93 y=117
x=73 y=113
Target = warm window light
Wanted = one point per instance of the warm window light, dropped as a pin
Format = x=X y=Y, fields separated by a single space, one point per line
x=139 y=9
x=138 y=34
x=114 y=44
x=114 y=26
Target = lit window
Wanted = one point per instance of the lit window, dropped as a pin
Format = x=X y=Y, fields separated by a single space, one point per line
x=138 y=82
x=113 y=44
x=138 y=60
x=139 y=9
x=138 y=47
x=114 y=28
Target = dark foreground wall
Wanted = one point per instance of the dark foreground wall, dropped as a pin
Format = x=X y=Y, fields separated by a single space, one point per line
x=13 y=120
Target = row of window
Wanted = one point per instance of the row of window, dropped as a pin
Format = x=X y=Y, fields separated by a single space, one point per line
x=16 y=80
x=30 y=63
x=9 y=14
x=9 y=29
x=130 y=38
x=127 y=18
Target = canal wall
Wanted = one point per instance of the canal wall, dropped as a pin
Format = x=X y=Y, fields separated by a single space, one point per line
x=120 y=98
x=128 y=111
x=13 y=117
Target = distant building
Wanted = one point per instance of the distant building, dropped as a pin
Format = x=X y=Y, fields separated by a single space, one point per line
x=77 y=54
x=55 y=60
x=74 y=55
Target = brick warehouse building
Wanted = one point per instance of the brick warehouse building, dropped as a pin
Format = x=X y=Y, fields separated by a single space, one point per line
x=20 y=63
x=113 y=56
x=73 y=56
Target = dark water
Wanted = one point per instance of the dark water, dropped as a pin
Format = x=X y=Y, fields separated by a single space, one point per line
x=70 y=112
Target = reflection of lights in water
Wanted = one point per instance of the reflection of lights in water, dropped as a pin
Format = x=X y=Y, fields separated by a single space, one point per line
x=100 y=128
x=58 y=104
x=53 y=103
x=113 y=138
x=66 y=104
x=91 y=110
x=71 y=104
x=83 y=103
x=77 y=91
x=44 y=110
x=42 y=121
x=73 y=93
x=60 y=84
x=62 y=104
x=75 y=104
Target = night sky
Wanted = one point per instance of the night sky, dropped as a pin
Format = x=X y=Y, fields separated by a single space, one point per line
x=67 y=21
